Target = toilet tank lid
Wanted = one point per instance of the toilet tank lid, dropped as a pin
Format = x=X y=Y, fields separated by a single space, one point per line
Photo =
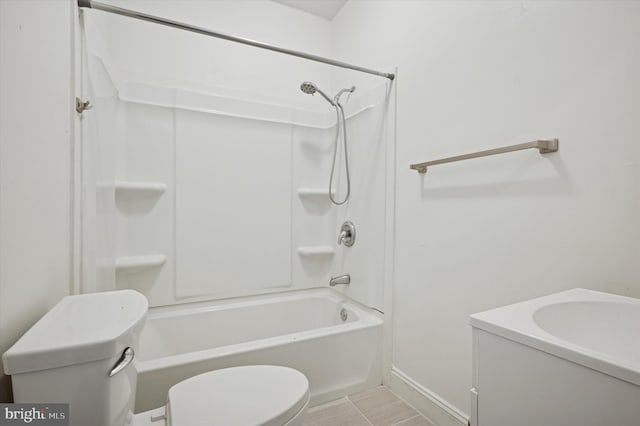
x=267 y=395
x=80 y=328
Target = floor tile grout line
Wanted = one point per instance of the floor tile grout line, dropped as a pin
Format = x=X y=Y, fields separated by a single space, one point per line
x=358 y=410
x=406 y=420
x=414 y=408
x=328 y=404
x=388 y=389
x=347 y=399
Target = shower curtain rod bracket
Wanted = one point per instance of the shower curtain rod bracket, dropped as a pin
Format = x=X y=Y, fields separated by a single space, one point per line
x=82 y=106
x=92 y=4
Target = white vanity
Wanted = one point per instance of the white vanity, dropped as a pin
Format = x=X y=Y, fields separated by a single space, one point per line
x=571 y=358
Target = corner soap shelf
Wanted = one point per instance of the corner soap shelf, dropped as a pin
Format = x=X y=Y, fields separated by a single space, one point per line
x=316 y=251
x=139 y=189
x=314 y=192
x=138 y=263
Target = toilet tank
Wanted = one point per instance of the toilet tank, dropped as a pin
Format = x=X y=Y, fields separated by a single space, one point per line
x=70 y=355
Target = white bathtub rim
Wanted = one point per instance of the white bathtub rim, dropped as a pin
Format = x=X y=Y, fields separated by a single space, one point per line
x=143 y=366
x=259 y=299
x=367 y=318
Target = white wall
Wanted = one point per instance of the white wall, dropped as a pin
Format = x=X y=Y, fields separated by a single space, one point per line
x=36 y=113
x=484 y=233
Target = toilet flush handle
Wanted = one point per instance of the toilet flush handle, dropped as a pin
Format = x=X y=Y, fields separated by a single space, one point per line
x=125 y=359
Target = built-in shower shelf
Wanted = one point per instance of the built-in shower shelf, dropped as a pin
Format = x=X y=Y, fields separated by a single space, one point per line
x=138 y=263
x=139 y=189
x=316 y=251
x=314 y=192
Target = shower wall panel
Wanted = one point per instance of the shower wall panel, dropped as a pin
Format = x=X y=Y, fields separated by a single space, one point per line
x=145 y=218
x=233 y=205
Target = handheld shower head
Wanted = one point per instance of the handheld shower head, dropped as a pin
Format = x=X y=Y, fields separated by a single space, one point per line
x=310 y=88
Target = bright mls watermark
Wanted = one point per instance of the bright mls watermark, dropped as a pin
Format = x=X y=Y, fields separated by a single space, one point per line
x=34 y=414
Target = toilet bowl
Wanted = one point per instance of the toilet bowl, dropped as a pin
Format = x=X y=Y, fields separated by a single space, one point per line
x=82 y=352
x=252 y=395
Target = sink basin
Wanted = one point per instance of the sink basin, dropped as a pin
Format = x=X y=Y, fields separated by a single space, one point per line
x=594 y=329
x=610 y=328
x=570 y=358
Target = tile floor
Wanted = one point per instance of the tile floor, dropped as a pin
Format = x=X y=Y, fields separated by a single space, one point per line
x=377 y=407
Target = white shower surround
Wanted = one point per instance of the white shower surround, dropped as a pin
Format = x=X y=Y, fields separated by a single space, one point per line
x=301 y=329
x=192 y=144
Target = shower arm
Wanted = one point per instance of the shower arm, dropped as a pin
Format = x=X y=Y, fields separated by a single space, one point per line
x=92 y=4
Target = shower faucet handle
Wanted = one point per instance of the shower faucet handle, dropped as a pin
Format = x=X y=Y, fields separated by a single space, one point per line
x=347 y=234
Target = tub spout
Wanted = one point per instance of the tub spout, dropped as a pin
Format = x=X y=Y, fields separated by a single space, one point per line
x=342 y=279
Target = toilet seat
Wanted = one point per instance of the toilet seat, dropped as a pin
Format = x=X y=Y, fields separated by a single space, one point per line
x=240 y=396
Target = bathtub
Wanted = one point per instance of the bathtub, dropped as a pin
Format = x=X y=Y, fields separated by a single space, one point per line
x=306 y=330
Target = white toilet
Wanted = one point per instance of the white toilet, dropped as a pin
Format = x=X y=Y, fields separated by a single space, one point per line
x=81 y=353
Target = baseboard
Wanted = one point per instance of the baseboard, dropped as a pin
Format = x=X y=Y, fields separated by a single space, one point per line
x=428 y=403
